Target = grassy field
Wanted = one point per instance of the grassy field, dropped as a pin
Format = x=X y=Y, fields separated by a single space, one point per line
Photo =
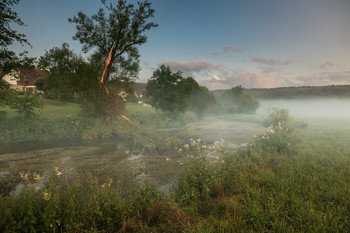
x=283 y=180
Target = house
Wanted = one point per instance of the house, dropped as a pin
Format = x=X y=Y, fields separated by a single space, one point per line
x=24 y=79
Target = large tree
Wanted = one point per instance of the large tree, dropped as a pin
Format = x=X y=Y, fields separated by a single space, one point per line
x=174 y=94
x=8 y=59
x=236 y=100
x=121 y=26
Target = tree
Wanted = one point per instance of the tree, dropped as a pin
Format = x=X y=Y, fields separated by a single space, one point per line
x=173 y=94
x=123 y=28
x=202 y=101
x=62 y=64
x=236 y=100
x=163 y=92
x=7 y=16
x=8 y=59
x=72 y=76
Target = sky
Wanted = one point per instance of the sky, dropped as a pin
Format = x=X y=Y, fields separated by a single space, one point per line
x=221 y=43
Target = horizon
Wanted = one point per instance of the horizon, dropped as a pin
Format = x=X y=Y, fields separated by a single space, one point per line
x=220 y=44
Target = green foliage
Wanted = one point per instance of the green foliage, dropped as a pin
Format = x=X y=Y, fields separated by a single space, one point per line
x=163 y=91
x=239 y=100
x=64 y=205
x=201 y=101
x=255 y=188
x=122 y=25
x=173 y=94
x=277 y=116
x=9 y=61
x=25 y=103
x=8 y=17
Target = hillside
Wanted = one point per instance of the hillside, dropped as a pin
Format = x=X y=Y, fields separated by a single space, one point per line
x=296 y=92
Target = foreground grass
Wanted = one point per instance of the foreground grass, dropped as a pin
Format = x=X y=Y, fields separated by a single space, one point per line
x=298 y=184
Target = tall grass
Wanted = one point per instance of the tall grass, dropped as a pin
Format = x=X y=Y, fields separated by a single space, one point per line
x=297 y=182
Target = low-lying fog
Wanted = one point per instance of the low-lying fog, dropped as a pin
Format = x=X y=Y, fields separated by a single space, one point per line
x=319 y=108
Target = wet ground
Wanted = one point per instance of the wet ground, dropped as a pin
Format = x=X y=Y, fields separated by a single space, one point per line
x=127 y=166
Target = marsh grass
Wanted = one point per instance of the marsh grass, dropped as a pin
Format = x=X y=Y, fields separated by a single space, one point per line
x=266 y=186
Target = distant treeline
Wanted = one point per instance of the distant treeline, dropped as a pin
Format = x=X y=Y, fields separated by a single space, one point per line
x=296 y=92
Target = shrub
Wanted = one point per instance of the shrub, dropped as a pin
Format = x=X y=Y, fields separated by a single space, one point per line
x=26 y=104
x=277 y=116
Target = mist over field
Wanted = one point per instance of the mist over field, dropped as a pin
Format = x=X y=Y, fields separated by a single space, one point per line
x=318 y=107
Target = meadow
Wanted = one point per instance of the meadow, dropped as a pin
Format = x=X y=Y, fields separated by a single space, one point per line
x=290 y=176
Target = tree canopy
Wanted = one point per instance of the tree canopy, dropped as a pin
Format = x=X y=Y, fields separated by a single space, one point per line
x=8 y=59
x=8 y=17
x=174 y=94
x=122 y=26
x=236 y=100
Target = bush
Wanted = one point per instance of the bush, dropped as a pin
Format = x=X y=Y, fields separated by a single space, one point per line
x=26 y=103
x=277 y=116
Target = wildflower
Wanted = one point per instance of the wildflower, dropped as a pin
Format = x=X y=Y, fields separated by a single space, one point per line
x=179 y=150
x=208 y=190
x=37 y=177
x=24 y=176
x=51 y=225
x=58 y=173
x=46 y=196
x=198 y=140
x=187 y=146
x=167 y=159
x=222 y=140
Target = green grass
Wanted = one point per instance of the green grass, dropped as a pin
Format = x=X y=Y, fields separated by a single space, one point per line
x=298 y=182
x=60 y=110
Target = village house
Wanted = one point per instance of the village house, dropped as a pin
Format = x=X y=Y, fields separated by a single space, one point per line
x=23 y=80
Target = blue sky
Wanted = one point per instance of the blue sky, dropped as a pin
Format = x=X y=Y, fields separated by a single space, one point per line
x=221 y=43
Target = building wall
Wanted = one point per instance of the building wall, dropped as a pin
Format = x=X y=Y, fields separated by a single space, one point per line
x=11 y=79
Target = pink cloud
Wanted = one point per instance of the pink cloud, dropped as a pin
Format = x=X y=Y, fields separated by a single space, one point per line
x=269 y=61
x=234 y=49
x=326 y=65
x=257 y=79
x=244 y=78
x=191 y=66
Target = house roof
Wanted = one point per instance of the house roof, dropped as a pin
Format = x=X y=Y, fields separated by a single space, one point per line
x=28 y=76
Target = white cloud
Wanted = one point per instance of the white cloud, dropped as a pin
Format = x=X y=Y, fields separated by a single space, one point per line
x=242 y=77
x=216 y=78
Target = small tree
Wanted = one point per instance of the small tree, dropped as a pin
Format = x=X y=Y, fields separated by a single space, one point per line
x=25 y=103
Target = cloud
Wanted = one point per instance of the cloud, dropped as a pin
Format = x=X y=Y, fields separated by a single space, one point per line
x=192 y=66
x=216 y=78
x=230 y=48
x=269 y=61
x=242 y=77
x=326 y=65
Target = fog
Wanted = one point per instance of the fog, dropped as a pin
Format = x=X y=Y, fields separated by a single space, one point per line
x=319 y=108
